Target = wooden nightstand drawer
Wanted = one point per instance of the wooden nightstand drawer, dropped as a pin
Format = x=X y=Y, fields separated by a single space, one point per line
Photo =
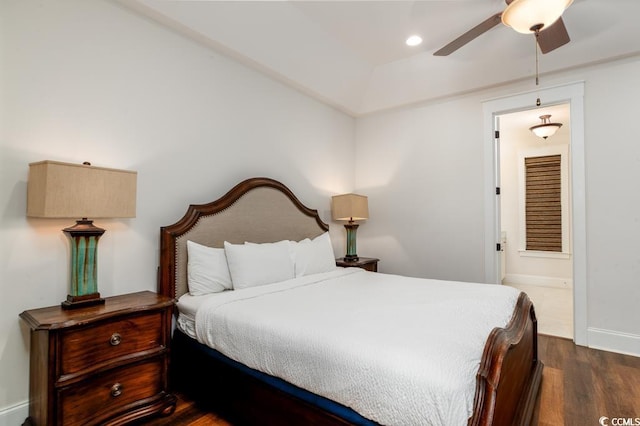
x=91 y=346
x=100 y=364
x=105 y=395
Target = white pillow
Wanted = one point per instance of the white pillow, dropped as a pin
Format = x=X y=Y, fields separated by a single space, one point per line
x=207 y=270
x=314 y=256
x=258 y=264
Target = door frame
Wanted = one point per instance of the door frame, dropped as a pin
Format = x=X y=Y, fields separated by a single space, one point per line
x=573 y=94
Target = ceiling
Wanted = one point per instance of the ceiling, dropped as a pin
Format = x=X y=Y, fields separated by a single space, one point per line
x=352 y=55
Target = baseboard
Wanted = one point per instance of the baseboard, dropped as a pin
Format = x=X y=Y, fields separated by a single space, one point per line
x=614 y=341
x=15 y=415
x=538 y=280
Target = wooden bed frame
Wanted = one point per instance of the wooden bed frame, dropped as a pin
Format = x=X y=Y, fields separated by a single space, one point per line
x=264 y=210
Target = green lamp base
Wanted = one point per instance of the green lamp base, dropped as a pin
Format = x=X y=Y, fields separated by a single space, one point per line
x=83 y=289
x=74 y=302
x=351 y=255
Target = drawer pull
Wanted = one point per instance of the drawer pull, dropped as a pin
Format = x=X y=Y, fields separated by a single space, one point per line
x=116 y=390
x=115 y=339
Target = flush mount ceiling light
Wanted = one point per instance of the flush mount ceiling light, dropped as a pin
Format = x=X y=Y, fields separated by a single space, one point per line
x=414 y=40
x=546 y=128
x=529 y=16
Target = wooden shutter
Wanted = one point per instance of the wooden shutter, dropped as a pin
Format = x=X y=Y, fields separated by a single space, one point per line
x=543 y=206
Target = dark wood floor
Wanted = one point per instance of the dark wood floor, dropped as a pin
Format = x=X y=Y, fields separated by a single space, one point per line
x=579 y=386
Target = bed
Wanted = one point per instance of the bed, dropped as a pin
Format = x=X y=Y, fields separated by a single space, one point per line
x=504 y=380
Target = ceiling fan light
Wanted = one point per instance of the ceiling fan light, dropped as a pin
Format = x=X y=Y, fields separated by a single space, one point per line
x=546 y=128
x=524 y=15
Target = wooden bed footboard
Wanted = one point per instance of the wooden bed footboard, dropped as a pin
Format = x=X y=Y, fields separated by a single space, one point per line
x=508 y=380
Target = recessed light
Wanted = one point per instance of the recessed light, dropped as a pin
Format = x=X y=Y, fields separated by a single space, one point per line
x=414 y=40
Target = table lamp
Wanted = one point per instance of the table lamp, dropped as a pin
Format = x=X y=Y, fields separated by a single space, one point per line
x=350 y=207
x=64 y=190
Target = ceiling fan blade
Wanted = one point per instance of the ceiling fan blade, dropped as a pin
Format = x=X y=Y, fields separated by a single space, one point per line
x=553 y=37
x=470 y=35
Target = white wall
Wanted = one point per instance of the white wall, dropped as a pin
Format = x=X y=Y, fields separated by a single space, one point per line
x=426 y=208
x=91 y=80
x=613 y=204
x=423 y=169
x=515 y=141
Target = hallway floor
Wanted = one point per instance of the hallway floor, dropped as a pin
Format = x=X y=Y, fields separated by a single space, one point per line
x=554 y=308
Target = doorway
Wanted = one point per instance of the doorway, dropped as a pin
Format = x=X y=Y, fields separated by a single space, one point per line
x=573 y=95
x=535 y=215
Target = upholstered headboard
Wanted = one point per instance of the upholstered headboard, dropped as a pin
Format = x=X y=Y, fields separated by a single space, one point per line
x=259 y=210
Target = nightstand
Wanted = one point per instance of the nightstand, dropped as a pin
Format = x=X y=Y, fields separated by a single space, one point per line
x=368 y=263
x=102 y=364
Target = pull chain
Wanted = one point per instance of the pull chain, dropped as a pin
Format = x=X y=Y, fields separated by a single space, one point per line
x=537 y=32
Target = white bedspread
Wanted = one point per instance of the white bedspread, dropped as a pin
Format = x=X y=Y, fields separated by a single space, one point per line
x=398 y=350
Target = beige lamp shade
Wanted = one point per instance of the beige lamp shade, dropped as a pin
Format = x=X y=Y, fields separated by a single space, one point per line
x=350 y=207
x=64 y=190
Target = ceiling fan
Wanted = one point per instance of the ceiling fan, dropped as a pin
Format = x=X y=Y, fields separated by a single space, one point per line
x=540 y=17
